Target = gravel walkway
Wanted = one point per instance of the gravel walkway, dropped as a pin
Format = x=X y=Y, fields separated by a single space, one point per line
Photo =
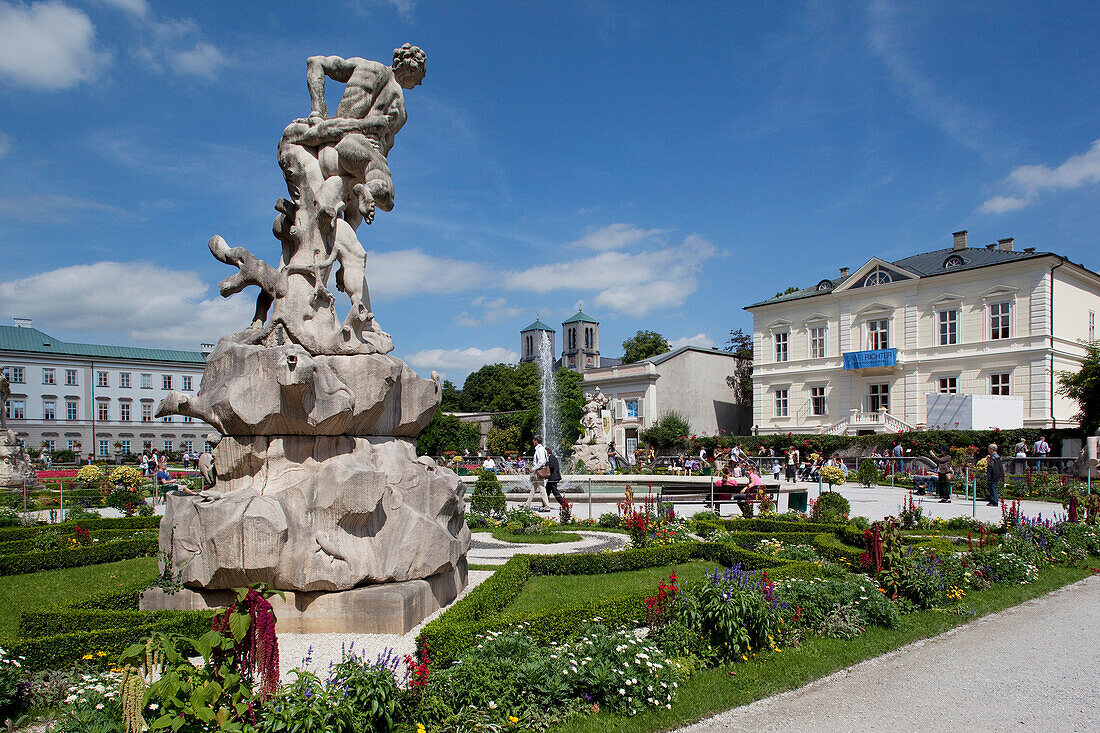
x=487 y=550
x=1030 y=667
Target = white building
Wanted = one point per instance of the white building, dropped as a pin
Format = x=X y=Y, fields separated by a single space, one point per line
x=862 y=352
x=690 y=380
x=88 y=398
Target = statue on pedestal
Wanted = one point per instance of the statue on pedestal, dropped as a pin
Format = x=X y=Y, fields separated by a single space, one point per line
x=316 y=483
x=591 y=447
x=15 y=463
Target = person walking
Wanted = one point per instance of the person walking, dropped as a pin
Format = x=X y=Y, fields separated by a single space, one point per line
x=994 y=474
x=538 y=482
x=555 y=477
x=944 y=474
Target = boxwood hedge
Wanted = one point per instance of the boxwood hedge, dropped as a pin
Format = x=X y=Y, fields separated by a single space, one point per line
x=22 y=533
x=33 y=562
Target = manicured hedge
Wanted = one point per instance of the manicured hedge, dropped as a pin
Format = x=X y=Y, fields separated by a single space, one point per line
x=776 y=526
x=483 y=608
x=61 y=650
x=33 y=562
x=22 y=533
x=14 y=547
x=47 y=623
x=125 y=599
x=831 y=548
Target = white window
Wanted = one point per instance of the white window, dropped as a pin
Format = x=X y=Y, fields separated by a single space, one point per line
x=187 y=446
x=782 y=340
x=49 y=410
x=15 y=410
x=101 y=379
x=166 y=418
x=999 y=320
x=51 y=445
x=125 y=446
x=878 y=276
x=167 y=445
x=70 y=444
x=15 y=375
x=878 y=334
x=999 y=383
x=103 y=411
x=781 y=403
x=124 y=380
x=49 y=376
x=880 y=397
x=186 y=382
x=70 y=409
x=70 y=378
x=146 y=381
x=104 y=448
x=817 y=400
x=632 y=410
x=949 y=385
x=124 y=411
x=188 y=418
x=166 y=381
x=146 y=412
x=949 y=327
x=817 y=342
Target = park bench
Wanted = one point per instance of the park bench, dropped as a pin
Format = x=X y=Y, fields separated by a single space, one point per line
x=703 y=494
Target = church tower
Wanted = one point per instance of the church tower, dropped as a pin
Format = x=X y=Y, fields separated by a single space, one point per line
x=580 y=343
x=530 y=339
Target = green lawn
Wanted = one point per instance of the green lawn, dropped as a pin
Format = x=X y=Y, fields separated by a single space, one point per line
x=711 y=691
x=53 y=588
x=547 y=592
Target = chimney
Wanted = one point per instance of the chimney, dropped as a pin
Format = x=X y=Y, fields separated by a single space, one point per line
x=1005 y=245
x=960 y=239
x=843 y=272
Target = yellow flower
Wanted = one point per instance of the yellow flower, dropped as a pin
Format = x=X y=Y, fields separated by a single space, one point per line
x=420 y=728
x=745 y=658
x=513 y=719
x=101 y=654
x=87 y=656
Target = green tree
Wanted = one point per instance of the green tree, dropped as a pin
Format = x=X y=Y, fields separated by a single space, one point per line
x=788 y=291
x=446 y=432
x=504 y=440
x=643 y=345
x=1083 y=386
x=488 y=497
x=452 y=398
x=501 y=388
x=740 y=343
x=670 y=432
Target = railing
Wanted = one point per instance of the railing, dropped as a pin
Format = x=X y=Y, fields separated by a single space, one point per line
x=859 y=419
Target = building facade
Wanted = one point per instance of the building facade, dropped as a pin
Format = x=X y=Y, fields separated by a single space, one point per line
x=863 y=352
x=96 y=399
x=692 y=381
x=580 y=343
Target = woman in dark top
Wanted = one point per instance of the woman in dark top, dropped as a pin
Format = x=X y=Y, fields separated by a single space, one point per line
x=944 y=475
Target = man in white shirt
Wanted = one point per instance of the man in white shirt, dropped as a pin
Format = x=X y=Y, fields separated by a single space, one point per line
x=489 y=464
x=542 y=458
x=1041 y=450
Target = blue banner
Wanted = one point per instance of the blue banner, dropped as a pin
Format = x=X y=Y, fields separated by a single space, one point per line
x=868 y=359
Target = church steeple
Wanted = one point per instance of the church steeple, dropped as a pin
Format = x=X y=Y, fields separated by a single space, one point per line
x=580 y=342
x=530 y=339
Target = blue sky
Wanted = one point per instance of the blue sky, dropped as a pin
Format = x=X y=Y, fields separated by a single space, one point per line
x=664 y=164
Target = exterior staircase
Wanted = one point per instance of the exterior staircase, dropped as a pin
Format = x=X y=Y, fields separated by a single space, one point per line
x=879 y=421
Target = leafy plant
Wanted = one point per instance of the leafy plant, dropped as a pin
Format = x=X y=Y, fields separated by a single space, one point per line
x=488 y=497
x=868 y=473
x=830 y=507
x=734 y=612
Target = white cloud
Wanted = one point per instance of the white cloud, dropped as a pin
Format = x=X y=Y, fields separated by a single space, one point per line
x=139 y=8
x=202 y=60
x=1001 y=204
x=48 y=45
x=1031 y=180
x=699 y=339
x=5 y=144
x=138 y=301
x=404 y=8
x=51 y=207
x=633 y=283
x=457 y=363
x=408 y=272
x=493 y=310
x=615 y=236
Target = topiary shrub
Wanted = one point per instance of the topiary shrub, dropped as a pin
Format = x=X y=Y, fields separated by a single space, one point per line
x=830 y=508
x=488 y=498
x=868 y=473
x=609 y=519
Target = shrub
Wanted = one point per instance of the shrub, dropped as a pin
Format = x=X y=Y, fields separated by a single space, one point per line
x=488 y=497
x=305 y=705
x=33 y=562
x=125 y=500
x=125 y=476
x=734 y=613
x=523 y=516
x=868 y=473
x=609 y=520
x=830 y=508
x=841 y=622
x=815 y=598
x=832 y=475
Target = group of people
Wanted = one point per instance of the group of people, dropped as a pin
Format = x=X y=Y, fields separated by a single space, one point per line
x=545 y=477
x=740 y=484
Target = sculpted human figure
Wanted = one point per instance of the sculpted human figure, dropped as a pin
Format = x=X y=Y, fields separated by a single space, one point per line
x=5 y=393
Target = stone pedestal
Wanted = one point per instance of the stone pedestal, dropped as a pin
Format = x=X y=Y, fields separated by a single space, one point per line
x=15 y=464
x=594 y=456
x=386 y=608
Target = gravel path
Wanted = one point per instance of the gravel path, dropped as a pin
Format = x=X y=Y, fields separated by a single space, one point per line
x=1030 y=667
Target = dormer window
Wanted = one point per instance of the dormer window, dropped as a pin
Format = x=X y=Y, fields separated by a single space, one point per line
x=878 y=276
x=953 y=261
x=824 y=285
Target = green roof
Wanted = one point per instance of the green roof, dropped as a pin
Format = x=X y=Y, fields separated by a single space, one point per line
x=580 y=317
x=33 y=341
x=537 y=326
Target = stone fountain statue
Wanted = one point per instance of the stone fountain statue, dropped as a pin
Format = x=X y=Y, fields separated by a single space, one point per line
x=16 y=470
x=317 y=487
x=592 y=445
